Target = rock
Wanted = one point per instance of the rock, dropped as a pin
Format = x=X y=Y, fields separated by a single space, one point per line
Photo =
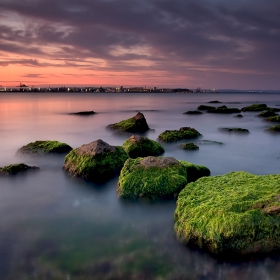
x=268 y=113
x=224 y=110
x=176 y=135
x=83 y=113
x=137 y=123
x=233 y=214
x=238 y=116
x=205 y=107
x=16 y=168
x=275 y=128
x=96 y=161
x=44 y=147
x=189 y=146
x=152 y=178
x=140 y=146
x=214 y=101
x=193 y=112
x=255 y=107
x=273 y=119
x=195 y=171
x=234 y=129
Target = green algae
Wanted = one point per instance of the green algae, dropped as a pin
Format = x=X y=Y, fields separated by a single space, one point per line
x=236 y=213
x=152 y=178
x=273 y=119
x=205 y=107
x=189 y=146
x=16 y=168
x=275 y=128
x=95 y=168
x=195 y=171
x=44 y=147
x=255 y=107
x=176 y=135
x=138 y=146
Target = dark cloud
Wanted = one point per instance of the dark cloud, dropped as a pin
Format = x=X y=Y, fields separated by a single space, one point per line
x=209 y=38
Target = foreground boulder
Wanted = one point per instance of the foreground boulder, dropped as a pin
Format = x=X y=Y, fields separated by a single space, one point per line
x=157 y=177
x=140 y=146
x=137 y=123
x=44 y=147
x=152 y=178
x=236 y=213
x=255 y=107
x=176 y=135
x=16 y=168
x=96 y=161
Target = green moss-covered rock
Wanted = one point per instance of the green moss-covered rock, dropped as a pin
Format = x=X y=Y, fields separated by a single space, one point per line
x=195 y=171
x=16 y=168
x=234 y=129
x=255 y=107
x=140 y=146
x=189 y=146
x=137 y=123
x=236 y=213
x=196 y=112
x=224 y=110
x=268 y=113
x=176 y=135
x=44 y=147
x=152 y=178
x=205 y=107
x=273 y=119
x=275 y=128
x=96 y=161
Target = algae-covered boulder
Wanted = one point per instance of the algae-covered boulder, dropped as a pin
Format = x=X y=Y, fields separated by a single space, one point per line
x=268 y=113
x=195 y=171
x=273 y=119
x=152 y=178
x=16 y=168
x=224 y=110
x=255 y=107
x=176 y=135
x=140 y=146
x=96 y=161
x=44 y=147
x=205 y=107
x=236 y=213
x=275 y=128
x=137 y=123
x=189 y=146
x=234 y=129
x=196 y=112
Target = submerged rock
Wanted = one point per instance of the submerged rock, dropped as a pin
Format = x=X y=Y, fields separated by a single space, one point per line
x=205 y=107
x=238 y=116
x=44 y=147
x=176 y=135
x=234 y=129
x=196 y=112
x=255 y=107
x=140 y=146
x=83 y=113
x=273 y=119
x=189 y=146
x=268 y=113
x=209 y=142
x=152 y=178
x=224 y=110
x=214 y=101
x=236 y=213
x=157 y=177
x=137 y=123
x=96 y=161
x=16 y=168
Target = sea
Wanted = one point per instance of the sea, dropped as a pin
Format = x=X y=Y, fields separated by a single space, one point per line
x=53 y=226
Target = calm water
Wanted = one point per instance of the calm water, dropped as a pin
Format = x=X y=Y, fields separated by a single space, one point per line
x=55 y=227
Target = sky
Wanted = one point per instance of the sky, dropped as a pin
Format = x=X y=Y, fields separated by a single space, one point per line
x=210 y=44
